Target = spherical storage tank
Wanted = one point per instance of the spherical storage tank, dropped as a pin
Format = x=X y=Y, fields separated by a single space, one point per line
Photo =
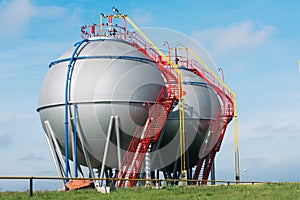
x=113 y=78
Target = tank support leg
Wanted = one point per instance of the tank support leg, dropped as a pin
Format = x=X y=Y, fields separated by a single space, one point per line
x=55 y=150
x=85 y=153
x=176 y=163
x=118 y=141
x=80 y=170
x=74 y=139
x=106 y=148
x=106 y=189
x=213 y=173
x=187 y=164
x=157 y=177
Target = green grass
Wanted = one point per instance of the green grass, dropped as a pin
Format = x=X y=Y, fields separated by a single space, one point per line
x=257 y=192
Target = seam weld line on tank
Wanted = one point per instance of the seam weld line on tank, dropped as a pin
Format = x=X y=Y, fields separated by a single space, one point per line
x=194 y=83
x=92 y=102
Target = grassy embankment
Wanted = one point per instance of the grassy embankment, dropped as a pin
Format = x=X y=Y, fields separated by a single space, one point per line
x=257 y=192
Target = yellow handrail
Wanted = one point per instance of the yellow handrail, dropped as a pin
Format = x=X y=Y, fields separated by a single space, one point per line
x=210 y=71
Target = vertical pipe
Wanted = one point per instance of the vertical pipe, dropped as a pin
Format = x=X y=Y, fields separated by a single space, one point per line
x=187 y=57
x=109 y=22
x=124 y=28
x=67 y=120
x=75 y=141
x=236 y=148
x=100 y=25
x=67 y=116
x=181 y=124
x=93 y=30
x=67 y=90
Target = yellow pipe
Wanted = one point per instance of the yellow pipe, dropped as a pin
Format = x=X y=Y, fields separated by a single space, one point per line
x=182 y=137
x=100 y=25
x=236 y=147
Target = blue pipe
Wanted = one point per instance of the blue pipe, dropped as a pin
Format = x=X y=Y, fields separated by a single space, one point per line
x=146 y=60
x=68 y=78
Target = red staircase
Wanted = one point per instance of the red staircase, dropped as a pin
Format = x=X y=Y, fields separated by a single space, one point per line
x=223 y=116
x=143 y=136
x=211 y=145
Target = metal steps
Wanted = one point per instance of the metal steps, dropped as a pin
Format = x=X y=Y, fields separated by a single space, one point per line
x=143 y=136
x=141 y=140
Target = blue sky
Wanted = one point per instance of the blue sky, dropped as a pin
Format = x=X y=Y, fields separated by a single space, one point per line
x=255 y=42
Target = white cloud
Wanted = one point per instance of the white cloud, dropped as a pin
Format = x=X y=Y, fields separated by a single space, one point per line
x=236 y=37
x=15 y=15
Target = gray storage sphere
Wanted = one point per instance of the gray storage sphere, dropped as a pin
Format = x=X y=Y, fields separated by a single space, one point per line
x=113 y=78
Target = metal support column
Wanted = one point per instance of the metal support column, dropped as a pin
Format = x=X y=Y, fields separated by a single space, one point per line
x=106 y=148
x=55 y=150
x=118 y=141
x=213 y=173
x=85 y=153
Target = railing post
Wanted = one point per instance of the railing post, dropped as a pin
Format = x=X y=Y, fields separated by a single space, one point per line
x=31 y=186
